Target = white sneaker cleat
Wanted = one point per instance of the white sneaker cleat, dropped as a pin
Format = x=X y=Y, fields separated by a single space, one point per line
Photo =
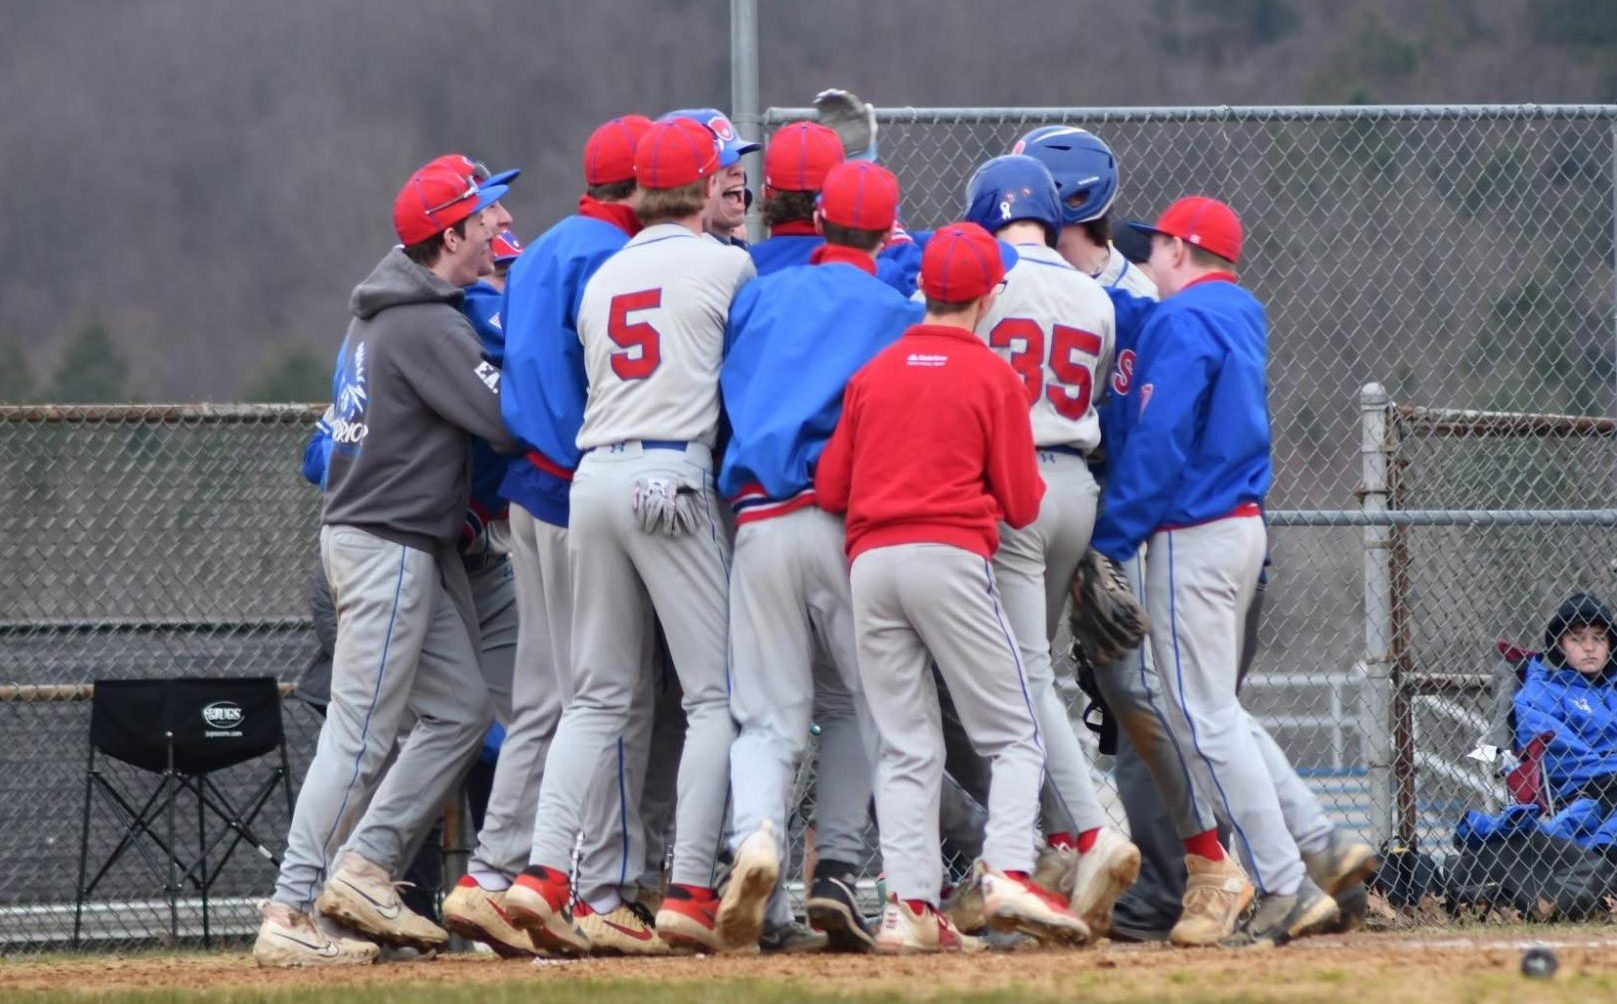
x=363 y=896
x=1018 y=904
x=288 y=938
x=1105 y=872
x=907 y=932
x=627 y=929
x=740 y=921
x=478 y=914
x=1216 y=894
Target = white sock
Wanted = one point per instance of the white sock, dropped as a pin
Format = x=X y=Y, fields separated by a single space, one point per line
x=489 y=879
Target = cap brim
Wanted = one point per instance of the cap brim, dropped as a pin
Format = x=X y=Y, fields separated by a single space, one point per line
x=1143 y=227
x=487 y=195
x=1007 y=255
x=729 y=153
x=502 y=178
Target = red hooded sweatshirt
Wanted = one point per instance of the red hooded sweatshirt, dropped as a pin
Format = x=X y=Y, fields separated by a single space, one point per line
x=934 y=447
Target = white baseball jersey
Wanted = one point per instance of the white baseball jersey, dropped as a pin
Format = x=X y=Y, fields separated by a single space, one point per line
x=1056 y=328
x=652 y=326
x=1120 y=273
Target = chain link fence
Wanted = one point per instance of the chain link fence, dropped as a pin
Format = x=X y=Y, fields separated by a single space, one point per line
x=1461 y=258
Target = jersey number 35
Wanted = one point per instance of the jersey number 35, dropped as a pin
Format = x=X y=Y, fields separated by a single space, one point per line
x=1069 y=393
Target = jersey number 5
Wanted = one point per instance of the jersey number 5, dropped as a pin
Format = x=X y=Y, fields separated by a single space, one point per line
x=642 y=346
x=1074 y=384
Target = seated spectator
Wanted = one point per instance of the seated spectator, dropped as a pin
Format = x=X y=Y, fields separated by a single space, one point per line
x=1569 y=693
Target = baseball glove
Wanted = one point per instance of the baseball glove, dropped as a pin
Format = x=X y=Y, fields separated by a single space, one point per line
x=1107 y=618
x=853 y=120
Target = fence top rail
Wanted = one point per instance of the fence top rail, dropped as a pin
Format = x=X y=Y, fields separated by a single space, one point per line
x=202 y=413
x=1216 y=113
x=1467 y=422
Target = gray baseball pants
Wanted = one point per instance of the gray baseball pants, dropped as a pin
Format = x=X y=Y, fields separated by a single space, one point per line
x=911 y=600
x=406 y=651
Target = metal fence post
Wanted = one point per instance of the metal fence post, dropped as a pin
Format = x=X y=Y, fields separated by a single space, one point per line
x=744 y=99
x=1375 y=706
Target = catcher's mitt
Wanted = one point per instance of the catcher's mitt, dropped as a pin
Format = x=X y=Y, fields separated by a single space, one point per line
x=853 y=120
x=1107 y=618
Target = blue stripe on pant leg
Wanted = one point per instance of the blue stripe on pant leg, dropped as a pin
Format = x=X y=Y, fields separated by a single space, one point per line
x=364 y=731
x=623 y=820
x=1190 y=724
x=1010 y=643
x=1155 y=703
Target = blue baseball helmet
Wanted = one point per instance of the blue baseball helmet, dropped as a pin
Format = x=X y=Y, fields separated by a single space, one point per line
x=1084 y=168
x=1011 y=188
x=732 y=147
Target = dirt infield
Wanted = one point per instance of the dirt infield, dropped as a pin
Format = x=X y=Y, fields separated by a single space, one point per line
x=1359 y=968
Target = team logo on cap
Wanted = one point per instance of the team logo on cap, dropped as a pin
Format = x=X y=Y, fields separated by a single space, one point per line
x=722 y=128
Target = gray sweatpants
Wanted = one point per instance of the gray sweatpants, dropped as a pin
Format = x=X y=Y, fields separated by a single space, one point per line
x=621 y=576
x=910 y=600
x=406 y=650
x=1034 y=567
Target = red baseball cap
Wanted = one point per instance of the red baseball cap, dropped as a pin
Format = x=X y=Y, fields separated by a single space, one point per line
x=475 y=169
x=860 y=194
x=506 y=247
x=1205 y=222
x=962 y=262
x=799 y=156
x=609 y=152
x=436 y=198
x=675 y=152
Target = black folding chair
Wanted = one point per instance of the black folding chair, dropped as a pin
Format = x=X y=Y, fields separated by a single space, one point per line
x=182 y=730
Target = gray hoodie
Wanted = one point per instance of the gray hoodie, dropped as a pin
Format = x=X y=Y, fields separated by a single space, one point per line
x=411 y=384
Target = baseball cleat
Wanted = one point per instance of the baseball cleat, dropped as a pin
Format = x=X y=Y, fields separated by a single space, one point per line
x=289 y=938
x=624 y=930
x=833 y=907
x=479 y=915
x=792 y=939
x=1104 y=873
x=539 y=903
x=1015 y=903
x=364 y=897
x=1216 y=894
x=965 y=908
x=905 y=931
x=1345 y=862
x=740 y=918
x=1279 y=919
x=688 y=918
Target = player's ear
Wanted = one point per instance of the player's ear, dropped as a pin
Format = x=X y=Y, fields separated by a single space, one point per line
x=819 y=222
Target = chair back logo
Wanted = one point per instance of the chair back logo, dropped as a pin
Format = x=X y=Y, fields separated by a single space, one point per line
x=222 y=715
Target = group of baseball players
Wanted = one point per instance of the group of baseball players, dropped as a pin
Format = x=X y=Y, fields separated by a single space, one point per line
x=840 y=483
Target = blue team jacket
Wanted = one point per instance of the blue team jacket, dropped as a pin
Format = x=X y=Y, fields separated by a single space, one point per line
x=794 y=339
x=1581 y=712
x=898 y=264
x=1190 y=440
x=542 y=383
x=1131 y=312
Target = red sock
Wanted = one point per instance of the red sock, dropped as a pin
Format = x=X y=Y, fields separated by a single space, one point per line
x=700 y=894
x=1064 y=841
x=1205 y=845
x=1086 y=840
x=918 y=906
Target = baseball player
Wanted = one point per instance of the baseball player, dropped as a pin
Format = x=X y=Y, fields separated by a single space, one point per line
x=795 y=337
x=543 y=400
x=644 y=534
x=414 y=383
x=933 y=446
x=1159 y=797
x=728 y=209
x=1191 y=477
x=1053 y=325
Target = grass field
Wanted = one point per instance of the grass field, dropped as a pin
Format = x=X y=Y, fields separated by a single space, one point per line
x=1445 y=966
